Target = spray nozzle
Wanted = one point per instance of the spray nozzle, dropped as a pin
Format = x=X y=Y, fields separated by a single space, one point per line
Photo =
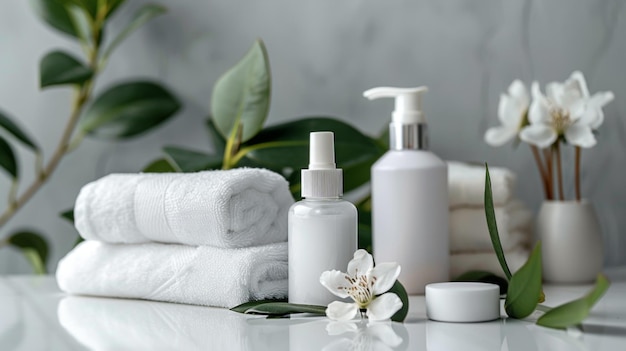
x=322 y=150
x=408 y=108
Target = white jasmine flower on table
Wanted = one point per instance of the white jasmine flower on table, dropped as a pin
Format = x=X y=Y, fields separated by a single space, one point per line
x=565 y=111
x=512 y=110
x=363 y=282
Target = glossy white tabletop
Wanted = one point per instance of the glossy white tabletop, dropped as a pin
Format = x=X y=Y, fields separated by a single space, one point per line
x=35 y=315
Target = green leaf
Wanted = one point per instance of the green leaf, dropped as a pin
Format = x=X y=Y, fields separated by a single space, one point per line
x=59 y=68
x=247 y=305
x=576 y=311
x=284 y=308
x=141 y=17
x=56 y=13
x=218 y=141
x=525 y=287
x=493 y=227
x=129 y=109
x=284 y=148
x=7 y=159
x=34 y=247
x=68 y=215
x=399 y=290
x=12 y=128
x=243 y=93
x=484 y=277
x=192 y=161
x=160 y=166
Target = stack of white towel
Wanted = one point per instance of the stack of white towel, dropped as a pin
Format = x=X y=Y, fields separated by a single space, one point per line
x=215 y=238
x=470 y=243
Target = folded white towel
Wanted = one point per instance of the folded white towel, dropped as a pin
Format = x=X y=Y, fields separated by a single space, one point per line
x=469 y=231
x=118 y=324
x=466 y=184
x=202 y=275
x=486 y=261
x=236 y=208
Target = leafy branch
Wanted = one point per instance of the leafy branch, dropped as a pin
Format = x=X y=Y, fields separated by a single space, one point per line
x=122 y=111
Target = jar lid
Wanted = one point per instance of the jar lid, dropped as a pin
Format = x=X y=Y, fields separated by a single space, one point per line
x=462 y=302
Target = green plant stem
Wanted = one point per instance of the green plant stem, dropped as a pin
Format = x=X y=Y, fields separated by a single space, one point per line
x=63 y=147
x=232 y=147
x=559 y=169
x=542 y=170
x=245 y=150
x=577 y=172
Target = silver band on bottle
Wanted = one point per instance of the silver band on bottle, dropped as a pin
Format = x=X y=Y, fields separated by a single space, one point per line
x=408 y=136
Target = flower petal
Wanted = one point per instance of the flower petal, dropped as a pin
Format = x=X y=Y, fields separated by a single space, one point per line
x=383 y=307
x=594 y=107
x=580 y=134
x=340 y=327
x=538 y=134
x=498 y=136
x=336 y=282
x=538 y=113
x=556 y=92
x=360 y=264
x=385 y=333
x=517 y=90
x=383 y=275
x=341 y=311
x=579 y=78
x=510 y=111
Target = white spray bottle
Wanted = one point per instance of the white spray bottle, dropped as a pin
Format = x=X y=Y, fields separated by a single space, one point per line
x=410 y=196
x=322 y=227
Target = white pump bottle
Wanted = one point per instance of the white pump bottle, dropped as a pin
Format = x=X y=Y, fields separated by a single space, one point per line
x=322 y=227
x=410 y=196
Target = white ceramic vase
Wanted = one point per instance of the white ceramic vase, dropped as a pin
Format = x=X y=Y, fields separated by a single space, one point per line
x=572 y=246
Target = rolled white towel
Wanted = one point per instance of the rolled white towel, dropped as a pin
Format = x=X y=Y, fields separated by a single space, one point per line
x=119 y=324
x=469 y=231
x=466 y=184
x=486 y=261
x=202 y=275
x=236 y=208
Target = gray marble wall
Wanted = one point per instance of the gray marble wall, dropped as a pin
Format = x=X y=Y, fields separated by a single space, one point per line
x=324 y=54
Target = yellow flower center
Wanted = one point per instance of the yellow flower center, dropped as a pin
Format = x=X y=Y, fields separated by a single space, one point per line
x=359 y=290
x=560 y=118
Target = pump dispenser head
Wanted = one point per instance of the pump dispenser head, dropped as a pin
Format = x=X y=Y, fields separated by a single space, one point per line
x=322 y=179
x=408 y=124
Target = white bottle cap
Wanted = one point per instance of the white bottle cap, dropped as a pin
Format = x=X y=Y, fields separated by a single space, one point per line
x=462 y=302
x=322 y=179
x=408 y=107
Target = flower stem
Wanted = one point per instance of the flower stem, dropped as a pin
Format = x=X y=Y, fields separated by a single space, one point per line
x=577 y=172
x=549 y=171
x=559 y=170
x=542 y=170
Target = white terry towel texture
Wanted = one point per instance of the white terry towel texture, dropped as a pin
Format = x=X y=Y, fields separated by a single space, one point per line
x=466 y=184
x=486 y=261
x=120 y=324
x=202 y=275
x=235 y=208
x=469 y=231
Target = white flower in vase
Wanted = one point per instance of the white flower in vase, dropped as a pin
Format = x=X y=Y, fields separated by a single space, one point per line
x=565 y=111
x=364 y=283
x=512 y=110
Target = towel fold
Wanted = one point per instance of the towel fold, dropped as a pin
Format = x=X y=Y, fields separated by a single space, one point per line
x=466 y=184
x=235 y=208
x=469 y=231
x=118 y=324
x=486 y=261
x=202 y=275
